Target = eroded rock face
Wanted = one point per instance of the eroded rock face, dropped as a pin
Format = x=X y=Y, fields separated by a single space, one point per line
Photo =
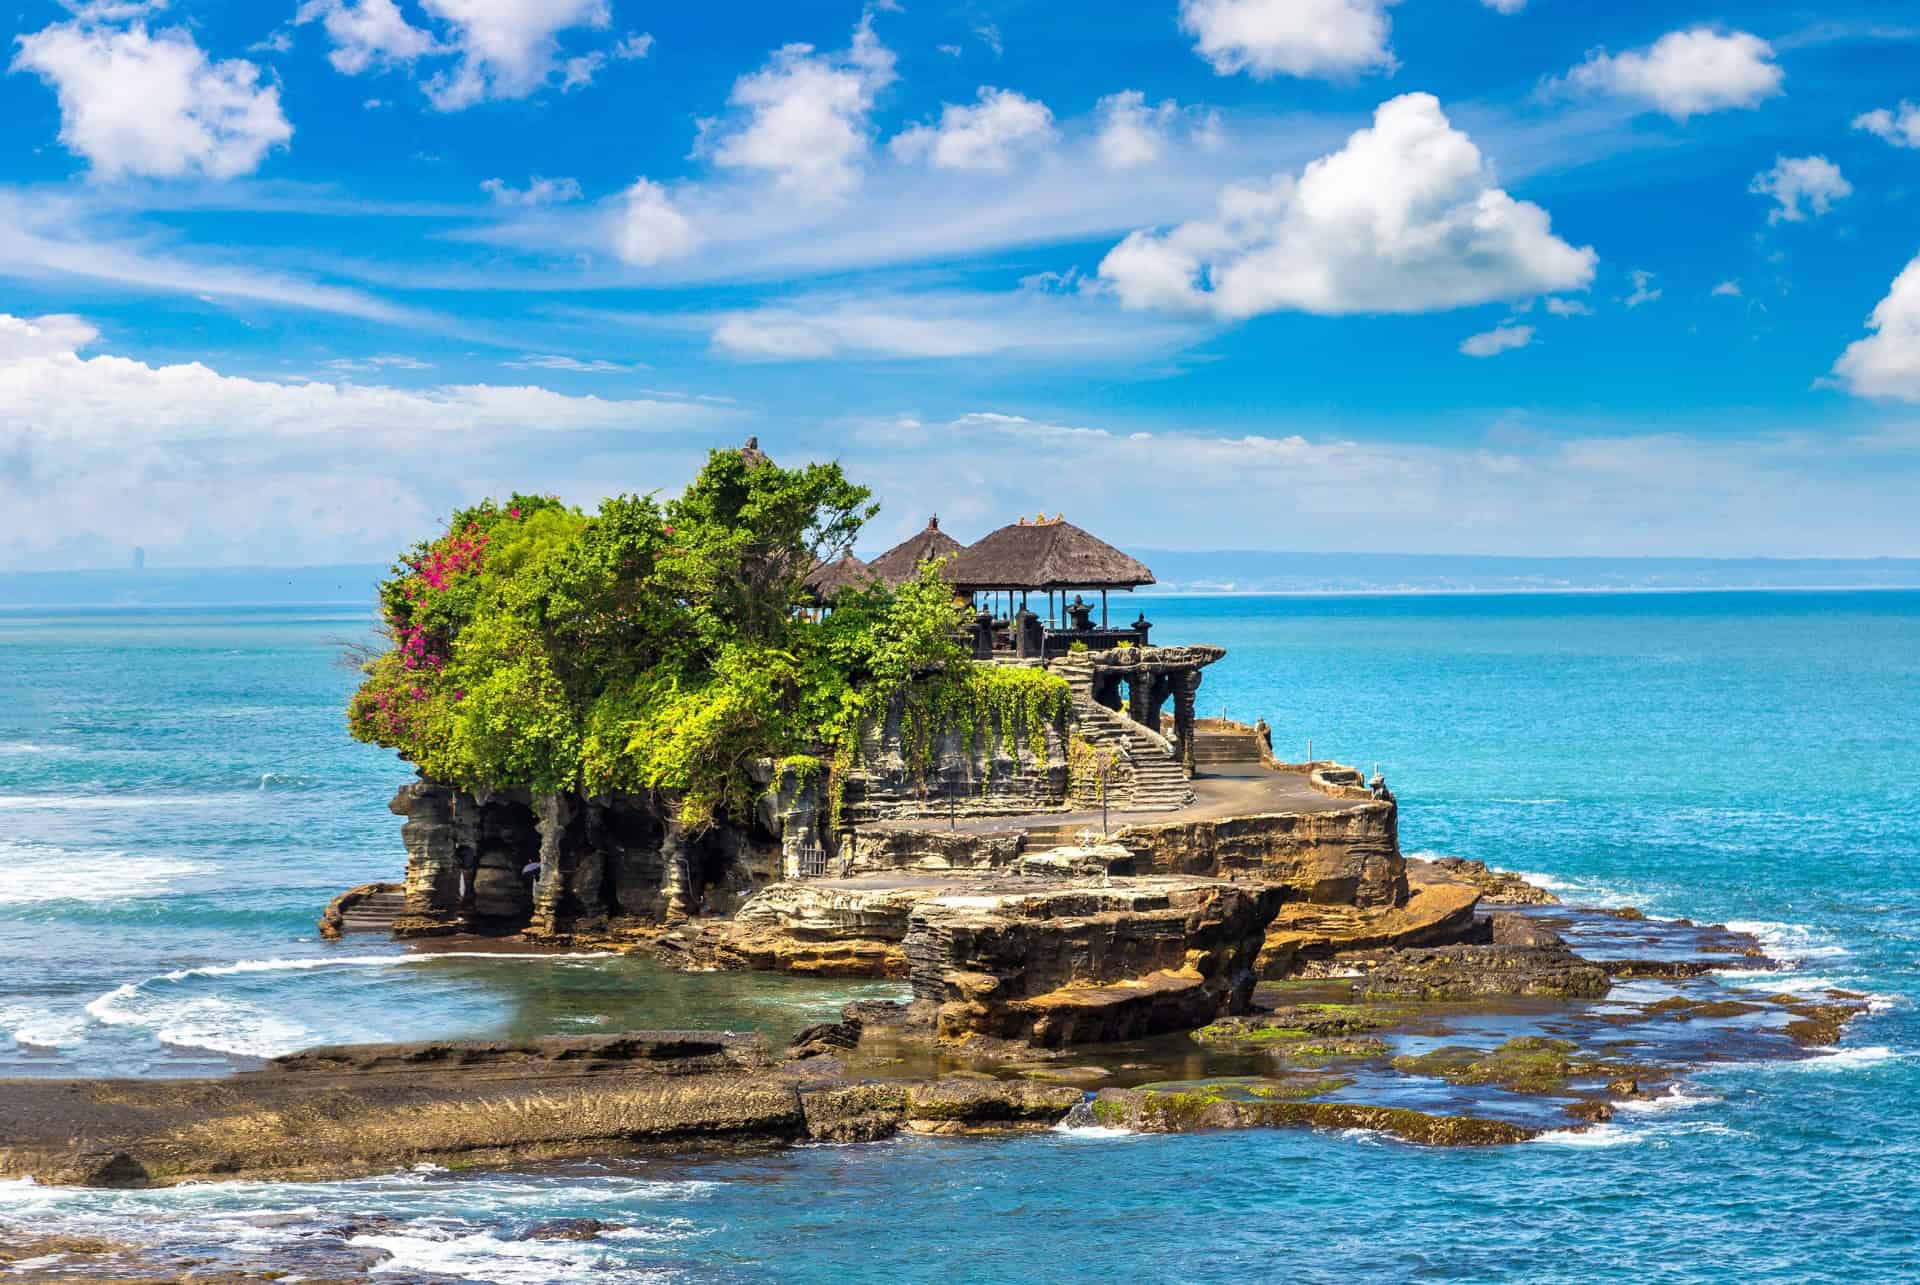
x=1087 y=965
x=1473 y=972
x=1497 y=887
x=1347 y=857
x=598 y=862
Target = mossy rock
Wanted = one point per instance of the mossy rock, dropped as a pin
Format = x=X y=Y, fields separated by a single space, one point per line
x=1321 y=1052
x=1154 y=1111
x=1300 y=1087
x=1528 y=1064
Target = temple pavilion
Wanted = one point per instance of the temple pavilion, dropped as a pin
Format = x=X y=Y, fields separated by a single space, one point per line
x=1000 y=574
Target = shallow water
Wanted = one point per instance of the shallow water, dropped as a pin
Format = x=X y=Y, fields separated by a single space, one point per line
x=178 y=796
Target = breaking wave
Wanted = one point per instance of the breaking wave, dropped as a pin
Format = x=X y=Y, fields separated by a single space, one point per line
x=242 y=1028
x=41 y=872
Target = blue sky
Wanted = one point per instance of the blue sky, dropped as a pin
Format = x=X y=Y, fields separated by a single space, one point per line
x=284 y=282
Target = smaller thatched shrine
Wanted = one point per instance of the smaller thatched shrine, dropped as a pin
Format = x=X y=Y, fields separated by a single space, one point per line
x=903 y=561
x=828 y=580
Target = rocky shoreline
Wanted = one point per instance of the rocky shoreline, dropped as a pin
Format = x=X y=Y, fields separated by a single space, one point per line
x=1339 y=1048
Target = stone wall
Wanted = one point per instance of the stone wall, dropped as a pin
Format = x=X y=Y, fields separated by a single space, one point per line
x=980 y=778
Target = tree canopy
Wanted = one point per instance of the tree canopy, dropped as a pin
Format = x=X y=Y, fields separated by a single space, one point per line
x=646 y=646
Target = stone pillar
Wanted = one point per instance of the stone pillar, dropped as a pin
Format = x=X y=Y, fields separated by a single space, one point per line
x=1029 y=639
x=1185 y=688
x=676 y=869
x=1140 y=697
x=552 y=813
x=983 y=636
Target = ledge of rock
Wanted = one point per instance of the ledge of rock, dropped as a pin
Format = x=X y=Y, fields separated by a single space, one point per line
x=1474 y=972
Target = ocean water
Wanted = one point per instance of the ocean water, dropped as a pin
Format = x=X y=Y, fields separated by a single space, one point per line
x=178 y=798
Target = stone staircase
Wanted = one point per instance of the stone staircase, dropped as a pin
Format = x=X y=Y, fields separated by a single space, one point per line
x=1216 y=747
x=1159 y=782
x=374 y=914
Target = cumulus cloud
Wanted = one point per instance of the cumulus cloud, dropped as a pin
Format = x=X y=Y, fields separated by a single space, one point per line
x=1887 y=362
x=538 y=191
x=118 y=450
x=498 y=48
x=1505 y=6
x=1814 y=180
x=988 y=135
x=1568 y=308
x=1303 y=38
x=1502 y=338
x=805 y=118
x=151 y=104
x=371 y=33
x=1685 y=73
x=1405 y=218
x=649 y=229
x=1134 y=133
x=1727 y=290
x=1899 y=126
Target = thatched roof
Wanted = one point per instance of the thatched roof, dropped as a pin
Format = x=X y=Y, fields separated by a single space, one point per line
x=1052 y=554
x=903 y=561
x=827 y=580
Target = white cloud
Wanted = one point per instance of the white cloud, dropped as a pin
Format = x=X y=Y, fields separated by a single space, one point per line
x=1727 y=290
x=151 y=104
x=1134 y=133
x=1887 y=362
x=943 y=325
x=46 y=237
x=499 y=48
x=635 y=45
x=1502 y=338
x=1899 y=126
x=804 y=118
x=1505 y=6
x=538 y=191
x=572 y=365
x=371 y=33
x=1305 y=38
x=396 y=361
x=649 y=229
x=1548 y=492
x=1568 y=308
x=1404 y=218
x=1793 y=179
x=1686 y=73
x=104 y=451
x=1643 y=289
x=988 y=135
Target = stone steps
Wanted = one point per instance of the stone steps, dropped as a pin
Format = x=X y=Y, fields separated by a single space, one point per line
x=374 y=914
x=1159 y=782
x=1225 y=747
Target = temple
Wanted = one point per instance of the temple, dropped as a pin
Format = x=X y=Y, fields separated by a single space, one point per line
x=1081 y=858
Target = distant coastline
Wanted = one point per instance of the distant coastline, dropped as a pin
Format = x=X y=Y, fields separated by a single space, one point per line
x=1181 y=573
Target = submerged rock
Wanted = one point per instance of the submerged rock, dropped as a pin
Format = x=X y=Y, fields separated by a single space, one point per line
x=1183 y=1110
x=1474 y=972
x=569 y=1229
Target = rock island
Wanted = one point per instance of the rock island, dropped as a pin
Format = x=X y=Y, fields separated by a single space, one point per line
x=702 y=730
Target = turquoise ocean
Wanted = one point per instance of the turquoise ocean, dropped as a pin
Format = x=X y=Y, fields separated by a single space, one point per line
x=179 y=798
